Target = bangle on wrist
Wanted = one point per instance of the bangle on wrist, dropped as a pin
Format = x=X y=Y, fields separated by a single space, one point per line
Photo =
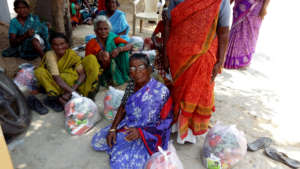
x=77 y=82
x=112 y=130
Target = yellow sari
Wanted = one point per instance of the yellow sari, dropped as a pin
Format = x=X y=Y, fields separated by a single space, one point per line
x=68 y=66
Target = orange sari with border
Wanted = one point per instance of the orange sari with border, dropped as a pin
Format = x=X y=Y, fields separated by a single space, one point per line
x=192 y=49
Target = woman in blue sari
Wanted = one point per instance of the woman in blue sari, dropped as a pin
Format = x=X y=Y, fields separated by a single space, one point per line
x=117 y=18
x=142 y=123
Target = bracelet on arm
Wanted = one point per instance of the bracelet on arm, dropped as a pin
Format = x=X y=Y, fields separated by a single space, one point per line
x=120 y=49
x=77 y=82
x=112 y=130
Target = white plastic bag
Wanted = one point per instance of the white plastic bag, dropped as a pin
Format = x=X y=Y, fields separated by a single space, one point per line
x=164 y=159
x=25 y=79
x=137 y=42
x=151 y=54
x=224 y=147
x=112 y=101
x=81 y=114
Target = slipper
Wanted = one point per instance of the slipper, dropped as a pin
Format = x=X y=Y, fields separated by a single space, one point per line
x=260 y=143
x=281 y=157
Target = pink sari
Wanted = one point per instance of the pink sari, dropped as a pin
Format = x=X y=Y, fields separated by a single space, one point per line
x=244 y=33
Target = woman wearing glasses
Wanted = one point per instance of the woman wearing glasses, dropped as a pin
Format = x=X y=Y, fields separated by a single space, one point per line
x=142 y=122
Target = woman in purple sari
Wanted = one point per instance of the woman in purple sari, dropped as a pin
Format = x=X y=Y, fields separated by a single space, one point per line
x=142 y=123
x=247 y=18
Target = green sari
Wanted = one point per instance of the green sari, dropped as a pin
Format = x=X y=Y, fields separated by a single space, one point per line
x=118 y=72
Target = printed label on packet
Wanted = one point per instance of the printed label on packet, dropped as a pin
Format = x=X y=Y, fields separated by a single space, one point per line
x=213 y=162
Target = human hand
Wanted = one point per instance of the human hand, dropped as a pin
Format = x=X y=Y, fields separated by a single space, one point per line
x=263 y=13
x=166 y=63
x=30 y=32
x=66 y=96
x=132 y=134
x=215 y=71
x=115 y=52
x=164 y=15
x=111 y=138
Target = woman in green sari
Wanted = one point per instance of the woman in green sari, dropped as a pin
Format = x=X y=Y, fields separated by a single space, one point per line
x=111 y=52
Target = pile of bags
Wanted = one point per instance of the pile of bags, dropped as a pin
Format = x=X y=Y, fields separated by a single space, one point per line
x=25 y=79
x=81 y=114
x=164 y=159
x=112 y=101
x=224 y=147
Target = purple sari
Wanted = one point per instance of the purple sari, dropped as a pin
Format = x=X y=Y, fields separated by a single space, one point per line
x=244 y=33
x=149 y=110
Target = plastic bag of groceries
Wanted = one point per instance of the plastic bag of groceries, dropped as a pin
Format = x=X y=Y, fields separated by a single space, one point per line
x=224 y=146
x=81 y=114
x=151 y=54
x=137 y=42
x=164 y=159
x=112 y=101
x=25 y=79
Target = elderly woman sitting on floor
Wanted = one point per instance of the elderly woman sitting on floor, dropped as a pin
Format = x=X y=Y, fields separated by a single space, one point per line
x=62 y=71
x=142 y=122
x=111 y=52
x=28 y=37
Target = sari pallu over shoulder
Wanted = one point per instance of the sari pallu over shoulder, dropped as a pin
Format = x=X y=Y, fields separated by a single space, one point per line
x=192 y=31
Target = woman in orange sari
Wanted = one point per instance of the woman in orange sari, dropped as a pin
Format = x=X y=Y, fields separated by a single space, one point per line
x=196 y=39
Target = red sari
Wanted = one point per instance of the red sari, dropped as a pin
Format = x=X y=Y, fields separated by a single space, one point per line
x=192 y=50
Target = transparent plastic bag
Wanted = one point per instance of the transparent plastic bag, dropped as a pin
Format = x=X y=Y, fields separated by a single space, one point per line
x=164 y=159
x=81 y=114
x=224 y=147
x=137 y=42
x=151 y=54
x=25 y=79
x=112 y=101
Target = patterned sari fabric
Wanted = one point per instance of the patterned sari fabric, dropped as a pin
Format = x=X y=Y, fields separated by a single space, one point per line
x=192 y=50
x=244 y=33
x=119 y=23
x=149 y=110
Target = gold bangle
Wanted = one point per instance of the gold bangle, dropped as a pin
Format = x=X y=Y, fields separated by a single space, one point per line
x=112 y=130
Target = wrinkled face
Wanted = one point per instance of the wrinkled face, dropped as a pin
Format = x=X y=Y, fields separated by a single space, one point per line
x=59 y=45
x=22 y=10
x=139 y=72
x=112 y=5
x=102 y=30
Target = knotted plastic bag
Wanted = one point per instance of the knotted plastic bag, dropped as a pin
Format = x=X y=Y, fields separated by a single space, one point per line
x=137 y=42
x=224 y=147
x=25 y=79
x=81 y=114
x=164 y=159
x=112 y=101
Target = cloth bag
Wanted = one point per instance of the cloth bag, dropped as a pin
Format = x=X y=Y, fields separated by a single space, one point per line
x=25 y=79
x=224 y=147
x=164 y=159
x=112 y=101
x=81 y=114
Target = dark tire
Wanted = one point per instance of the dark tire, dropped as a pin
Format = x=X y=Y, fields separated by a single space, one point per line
x=13 y=125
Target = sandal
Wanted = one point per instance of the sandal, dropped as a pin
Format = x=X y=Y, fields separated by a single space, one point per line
x=281 y=157
x=260 y=143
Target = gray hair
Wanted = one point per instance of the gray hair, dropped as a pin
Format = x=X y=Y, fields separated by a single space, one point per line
x=101 y=18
